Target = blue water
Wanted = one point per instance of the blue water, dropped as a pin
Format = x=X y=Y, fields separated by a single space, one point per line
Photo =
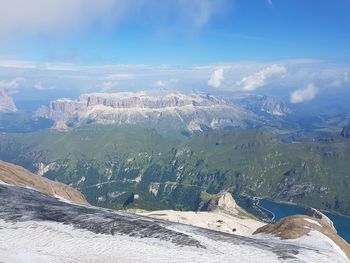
x=341 y=223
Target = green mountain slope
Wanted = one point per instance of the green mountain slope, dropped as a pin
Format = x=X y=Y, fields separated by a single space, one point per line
x=118 y=166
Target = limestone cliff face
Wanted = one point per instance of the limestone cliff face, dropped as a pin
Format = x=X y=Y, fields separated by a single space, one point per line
x=16 y=175
x=6 y=102
x=226 y=202
x=189 y=112
x=142 y=100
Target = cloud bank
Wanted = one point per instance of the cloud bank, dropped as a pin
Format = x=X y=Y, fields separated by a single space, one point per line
x=41 y=87
x=164 y=83
x=216 y=78
x=302 y=95
x=42 y=16
x=70 y=80
x=260 y=78
x=11 y=84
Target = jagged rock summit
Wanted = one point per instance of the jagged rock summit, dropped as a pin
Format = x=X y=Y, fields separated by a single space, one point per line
x=226 y=202
x=223 y=202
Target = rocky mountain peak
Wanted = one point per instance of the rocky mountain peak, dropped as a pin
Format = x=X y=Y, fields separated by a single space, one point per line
x=265 y=104
x=222 y=201
x=312 y=212
x=226 y=202
x=345 y=132
x=6 y=102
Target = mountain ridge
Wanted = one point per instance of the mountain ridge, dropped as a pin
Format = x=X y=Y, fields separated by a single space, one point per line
x=194 y=112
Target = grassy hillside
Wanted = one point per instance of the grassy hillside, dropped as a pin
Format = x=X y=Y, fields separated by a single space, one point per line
x=118 y=166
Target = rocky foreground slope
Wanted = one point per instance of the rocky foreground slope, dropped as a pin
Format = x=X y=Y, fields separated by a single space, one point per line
x=16 y=175
x=40 y=228
x=37 y=227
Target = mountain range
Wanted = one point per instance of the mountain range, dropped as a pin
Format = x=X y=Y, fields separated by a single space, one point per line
x=191 y=113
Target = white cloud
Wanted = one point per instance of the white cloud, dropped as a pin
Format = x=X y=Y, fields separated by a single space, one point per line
x=164 y=83
x=199 y=12
x=37 y=16
x=121 y=76
x=270 y=2
x=216 y=78
x=340 y=81
x=260 y=78
x=108 y=85
x=76 y=78
x=302 y=95
x=12 y=84
x=41 y=87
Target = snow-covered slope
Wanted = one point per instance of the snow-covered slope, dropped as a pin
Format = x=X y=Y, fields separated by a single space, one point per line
x=35 y=227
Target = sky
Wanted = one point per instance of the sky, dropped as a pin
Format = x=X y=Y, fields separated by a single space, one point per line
x=58 y=48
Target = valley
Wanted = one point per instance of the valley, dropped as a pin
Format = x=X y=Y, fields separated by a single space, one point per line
x=128 y=166
x=174 y=131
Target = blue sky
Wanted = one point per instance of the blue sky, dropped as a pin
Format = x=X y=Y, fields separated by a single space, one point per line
x=75 y=46
x=168 y=32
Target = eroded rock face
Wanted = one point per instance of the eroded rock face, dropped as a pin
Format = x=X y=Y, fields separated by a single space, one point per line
x=6 y=102
x=16 y=175
x=191 y=112
x=226 y=202
x=223 y=202
x=141 y=100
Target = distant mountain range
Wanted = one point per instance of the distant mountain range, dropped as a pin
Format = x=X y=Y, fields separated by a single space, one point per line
x=171 y=111
x=264 y=105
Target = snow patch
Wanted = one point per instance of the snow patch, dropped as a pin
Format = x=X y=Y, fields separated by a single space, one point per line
x=312 y=221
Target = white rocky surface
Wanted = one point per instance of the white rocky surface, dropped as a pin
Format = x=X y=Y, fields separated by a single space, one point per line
x=218 y=220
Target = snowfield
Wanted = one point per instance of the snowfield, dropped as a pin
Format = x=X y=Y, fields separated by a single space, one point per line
x=55 y=242
x=37 y=228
